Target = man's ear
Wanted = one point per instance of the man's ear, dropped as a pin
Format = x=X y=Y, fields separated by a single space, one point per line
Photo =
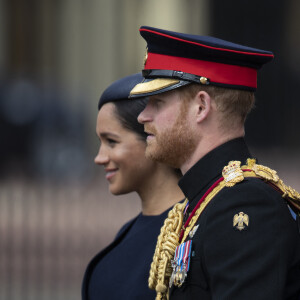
x=203 y=105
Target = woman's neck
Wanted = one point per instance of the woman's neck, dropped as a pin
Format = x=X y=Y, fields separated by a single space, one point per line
x=160 y=191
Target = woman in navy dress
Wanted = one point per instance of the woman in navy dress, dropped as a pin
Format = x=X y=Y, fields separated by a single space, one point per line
x=121 y=270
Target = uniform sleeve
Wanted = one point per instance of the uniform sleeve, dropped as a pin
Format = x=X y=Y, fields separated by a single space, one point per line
x=250 y=263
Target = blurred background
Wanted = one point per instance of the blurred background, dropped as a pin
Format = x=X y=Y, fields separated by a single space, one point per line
x=56 y=58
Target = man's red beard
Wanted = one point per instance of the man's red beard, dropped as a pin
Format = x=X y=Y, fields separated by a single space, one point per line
x=172 y=146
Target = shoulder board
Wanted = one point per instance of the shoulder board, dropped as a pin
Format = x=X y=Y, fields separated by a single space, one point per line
x=234 y=173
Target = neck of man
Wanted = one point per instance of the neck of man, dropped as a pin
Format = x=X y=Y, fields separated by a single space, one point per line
x=207 y=144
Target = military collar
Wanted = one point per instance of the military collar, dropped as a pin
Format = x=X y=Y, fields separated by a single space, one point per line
x=200 y=176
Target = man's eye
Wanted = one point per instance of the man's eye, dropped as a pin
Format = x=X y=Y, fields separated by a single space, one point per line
x=155 y=102
x=159 y=103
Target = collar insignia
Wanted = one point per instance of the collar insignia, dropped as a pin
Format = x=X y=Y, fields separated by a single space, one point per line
x=192 y=232
x=232 y=173
x=240 y=221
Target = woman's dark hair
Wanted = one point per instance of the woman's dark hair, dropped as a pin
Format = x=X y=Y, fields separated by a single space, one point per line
x=127 y=112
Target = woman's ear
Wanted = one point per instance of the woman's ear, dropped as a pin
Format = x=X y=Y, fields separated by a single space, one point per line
x=203 y=105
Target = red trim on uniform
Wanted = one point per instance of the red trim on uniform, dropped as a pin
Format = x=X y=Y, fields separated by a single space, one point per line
x=206 y=46
x=197 y=206
x=215 y=72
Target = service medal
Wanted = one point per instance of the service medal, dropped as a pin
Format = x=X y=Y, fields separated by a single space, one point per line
x=181 y=264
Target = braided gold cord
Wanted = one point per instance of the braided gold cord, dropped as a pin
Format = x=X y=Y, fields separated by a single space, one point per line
x=168 y=240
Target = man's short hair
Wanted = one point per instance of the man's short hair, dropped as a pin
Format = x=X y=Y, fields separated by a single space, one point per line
x=233 y=105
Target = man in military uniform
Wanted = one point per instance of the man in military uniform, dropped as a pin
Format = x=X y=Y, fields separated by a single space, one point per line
x=237 y=234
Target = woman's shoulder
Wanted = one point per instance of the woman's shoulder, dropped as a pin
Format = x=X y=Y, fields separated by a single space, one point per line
x=126 y=227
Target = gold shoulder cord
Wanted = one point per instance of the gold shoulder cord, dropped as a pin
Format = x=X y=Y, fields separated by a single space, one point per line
x=269 y=175
x=168 y=240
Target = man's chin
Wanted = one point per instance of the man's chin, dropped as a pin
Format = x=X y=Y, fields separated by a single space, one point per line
x=159 y=157
x=151 y=153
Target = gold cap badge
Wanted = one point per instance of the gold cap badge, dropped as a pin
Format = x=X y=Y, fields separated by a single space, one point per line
x=146 y=57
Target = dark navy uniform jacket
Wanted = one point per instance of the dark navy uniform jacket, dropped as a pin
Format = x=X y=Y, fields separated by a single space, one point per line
x=121 y=270
x=261 y=262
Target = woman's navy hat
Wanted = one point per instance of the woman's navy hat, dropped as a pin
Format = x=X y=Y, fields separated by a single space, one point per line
x=120 y=89
x=175 y=59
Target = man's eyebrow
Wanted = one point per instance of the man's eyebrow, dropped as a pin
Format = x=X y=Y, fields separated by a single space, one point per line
x=155 y=98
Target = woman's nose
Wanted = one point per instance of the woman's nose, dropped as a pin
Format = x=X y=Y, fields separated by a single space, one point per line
x=102 y=157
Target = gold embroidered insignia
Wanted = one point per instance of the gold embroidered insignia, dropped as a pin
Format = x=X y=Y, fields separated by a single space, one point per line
x=239 y=220
x=232 y=173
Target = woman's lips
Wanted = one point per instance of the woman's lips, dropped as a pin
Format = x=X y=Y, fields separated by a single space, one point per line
x=110 y=173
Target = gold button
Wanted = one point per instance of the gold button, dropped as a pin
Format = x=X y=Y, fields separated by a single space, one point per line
x=203 y=80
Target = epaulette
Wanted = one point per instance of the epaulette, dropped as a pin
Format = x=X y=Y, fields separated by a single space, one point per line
x=175 y=232
x=270 y=176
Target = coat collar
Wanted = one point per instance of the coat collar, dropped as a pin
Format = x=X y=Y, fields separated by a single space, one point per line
x=209 y=168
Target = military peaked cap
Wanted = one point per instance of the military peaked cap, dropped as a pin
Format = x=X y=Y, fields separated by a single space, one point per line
x=175 y=59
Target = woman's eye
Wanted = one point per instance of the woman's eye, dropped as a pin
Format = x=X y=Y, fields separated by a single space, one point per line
x=111 y=142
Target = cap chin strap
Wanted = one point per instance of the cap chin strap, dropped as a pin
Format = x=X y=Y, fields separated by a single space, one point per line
x=161 y=81
x=148 y=74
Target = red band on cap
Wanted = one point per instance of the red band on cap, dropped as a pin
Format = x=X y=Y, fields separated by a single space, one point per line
x=215 y=72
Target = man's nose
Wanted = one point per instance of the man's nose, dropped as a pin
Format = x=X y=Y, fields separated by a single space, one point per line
x=145 y=115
